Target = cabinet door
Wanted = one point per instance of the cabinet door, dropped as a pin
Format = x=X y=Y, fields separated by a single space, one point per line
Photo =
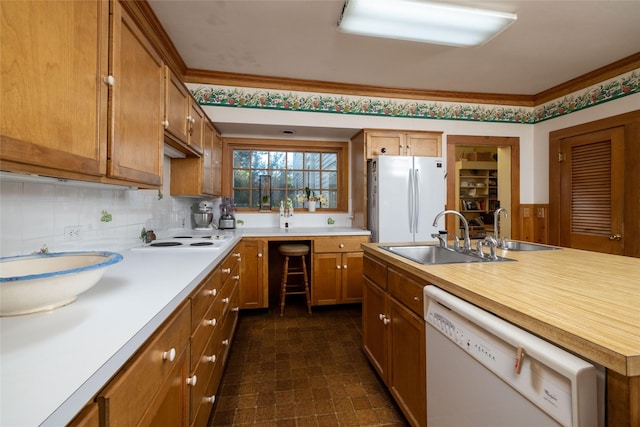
x=251 y=274
x=196 y=126
x=352 y=271
x=325 y=283
x=389 y=143
x=407 y=362
x=53 y=100
x=171 y=404
x=216 y=161
x=423 y=144
x=177 y=107
x=208 y=144
x=137 y=107
x=374 y=327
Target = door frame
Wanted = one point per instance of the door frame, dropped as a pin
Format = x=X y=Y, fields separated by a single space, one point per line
x=631 y=123
x=478 y=141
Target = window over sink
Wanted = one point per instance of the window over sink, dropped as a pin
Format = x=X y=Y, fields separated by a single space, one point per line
x=293 y=166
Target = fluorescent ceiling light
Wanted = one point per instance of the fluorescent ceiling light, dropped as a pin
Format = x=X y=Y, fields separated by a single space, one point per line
x=423 y=21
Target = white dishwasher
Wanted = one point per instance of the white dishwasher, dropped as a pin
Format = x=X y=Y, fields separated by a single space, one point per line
x=485 y=372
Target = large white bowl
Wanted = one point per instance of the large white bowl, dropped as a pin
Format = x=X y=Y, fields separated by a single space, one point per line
x=33 y=283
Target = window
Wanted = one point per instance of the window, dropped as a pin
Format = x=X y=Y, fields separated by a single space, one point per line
x=292 y=167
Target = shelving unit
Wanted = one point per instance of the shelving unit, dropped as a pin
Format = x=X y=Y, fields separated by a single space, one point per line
x=477 y=192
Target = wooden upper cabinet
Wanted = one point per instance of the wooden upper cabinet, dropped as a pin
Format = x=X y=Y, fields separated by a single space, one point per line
x=177 y=106
x=53 y=99
x=196 y=120
x=199 y=176
x=401 y=143
x=137 y=108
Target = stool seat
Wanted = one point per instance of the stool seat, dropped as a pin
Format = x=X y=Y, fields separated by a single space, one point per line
x=294 y=250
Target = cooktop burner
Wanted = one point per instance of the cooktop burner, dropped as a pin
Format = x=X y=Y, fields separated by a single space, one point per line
x=162 y=244
x=202 y=244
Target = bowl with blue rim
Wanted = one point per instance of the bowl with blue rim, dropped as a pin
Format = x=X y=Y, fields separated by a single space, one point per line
x=42 y=282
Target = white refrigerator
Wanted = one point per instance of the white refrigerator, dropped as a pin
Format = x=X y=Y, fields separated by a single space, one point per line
x=405 y=193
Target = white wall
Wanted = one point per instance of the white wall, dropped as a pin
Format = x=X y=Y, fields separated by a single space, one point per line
x=34 y=214
x=540 y=154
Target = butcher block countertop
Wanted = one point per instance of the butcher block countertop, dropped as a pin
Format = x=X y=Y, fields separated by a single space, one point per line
x=584 y=301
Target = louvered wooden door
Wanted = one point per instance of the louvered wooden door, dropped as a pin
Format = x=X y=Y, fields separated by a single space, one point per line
x=592 y=191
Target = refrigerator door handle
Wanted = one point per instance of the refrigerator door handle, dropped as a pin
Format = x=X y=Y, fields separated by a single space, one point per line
x=416 y=197
x=411 y=201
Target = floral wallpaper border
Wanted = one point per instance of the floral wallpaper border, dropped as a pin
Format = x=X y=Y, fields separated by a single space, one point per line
x=223 y=96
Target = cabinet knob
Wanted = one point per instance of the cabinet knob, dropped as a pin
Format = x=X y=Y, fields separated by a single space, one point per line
x=209 y=399
x=209 y=359
x=109 y=80
x=383 y=150
x=225 y=300
x=416 y=299
x=386 y=321
x=165 y=123
x=210 y=322
x=344 y=266
x=192 y=381
x=338 y=267
x=260 y=255
x=341 y=245
x=225 y=342
x=169 y=355
x=235 y=309
x=615 y=237
x=236 y=277
x=226 y=270
x=211 y=292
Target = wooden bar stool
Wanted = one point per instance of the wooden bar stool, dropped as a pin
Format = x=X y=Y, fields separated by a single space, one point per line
x=294 y=250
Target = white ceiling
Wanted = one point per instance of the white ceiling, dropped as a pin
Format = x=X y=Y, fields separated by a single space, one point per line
x=551 y=43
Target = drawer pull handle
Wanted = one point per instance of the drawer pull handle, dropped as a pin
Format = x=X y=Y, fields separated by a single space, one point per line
x=225 y=300
x=209 y=399
x=192 y=381
x=165 y=123
x=344 y=266
x=386 y=321
x=225 y=342
x=260 y=255
x=212 y=292
x=236 y=277
x=416 y=299
x=210 y=322
x=237 y=255
x=226 y=270
x=169 y=355
x=235 y=309
x=341 y=245
x=210 y=359
x=338 y=267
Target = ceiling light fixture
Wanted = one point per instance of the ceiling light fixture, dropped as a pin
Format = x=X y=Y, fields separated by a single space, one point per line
x=423 y=21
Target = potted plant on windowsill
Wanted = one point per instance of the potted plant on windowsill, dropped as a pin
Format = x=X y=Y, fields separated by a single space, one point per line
x=311 y=199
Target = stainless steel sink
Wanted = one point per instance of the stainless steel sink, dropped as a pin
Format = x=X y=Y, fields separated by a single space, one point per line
x=428 y=254
x=525 y=246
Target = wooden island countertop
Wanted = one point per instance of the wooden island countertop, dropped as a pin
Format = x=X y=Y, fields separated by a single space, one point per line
x=586 y=302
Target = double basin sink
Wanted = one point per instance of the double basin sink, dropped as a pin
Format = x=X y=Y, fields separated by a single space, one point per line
x=430 y=254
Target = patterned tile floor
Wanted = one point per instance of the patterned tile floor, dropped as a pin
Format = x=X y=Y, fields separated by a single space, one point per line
x=301 y=370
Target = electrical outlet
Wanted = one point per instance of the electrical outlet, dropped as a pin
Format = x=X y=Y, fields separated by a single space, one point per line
x=540 y=212
x=73 y=232
x=526 y=212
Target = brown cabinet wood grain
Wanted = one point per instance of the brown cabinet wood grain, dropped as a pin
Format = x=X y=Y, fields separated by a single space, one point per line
x=393 y=335
x=253 y=290
x=337 y=270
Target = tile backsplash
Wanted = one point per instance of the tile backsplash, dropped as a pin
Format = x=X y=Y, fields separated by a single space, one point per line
x=72 y=217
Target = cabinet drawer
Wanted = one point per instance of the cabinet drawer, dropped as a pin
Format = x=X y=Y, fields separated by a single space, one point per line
x=210 y=323
x=407 y=290
x=339 y=244
x=202 y=298
x=228 y=264
x=127 y=396
x=204 y=373
x=375 y=270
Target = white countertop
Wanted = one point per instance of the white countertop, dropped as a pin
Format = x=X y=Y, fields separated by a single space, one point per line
x=53 y=363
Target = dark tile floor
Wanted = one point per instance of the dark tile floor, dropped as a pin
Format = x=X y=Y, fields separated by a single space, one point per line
x=301 y=370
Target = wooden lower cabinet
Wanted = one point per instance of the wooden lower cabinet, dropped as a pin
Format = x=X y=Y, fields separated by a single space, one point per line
x=393 y=335
x=173 y=379
x=254 y=293
x=88 y=417
x=151 y=375
x=337 y=270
